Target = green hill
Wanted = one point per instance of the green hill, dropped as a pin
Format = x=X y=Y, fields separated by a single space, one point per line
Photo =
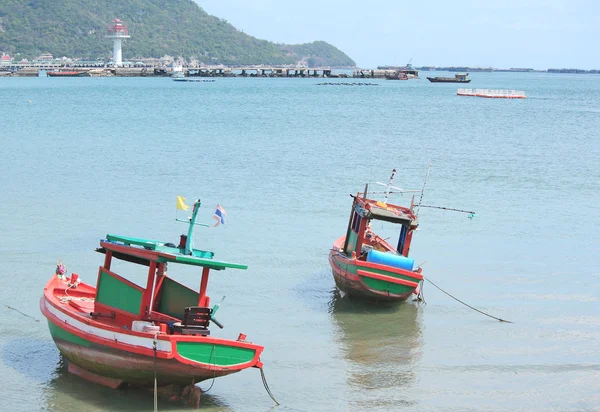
x=76 y=28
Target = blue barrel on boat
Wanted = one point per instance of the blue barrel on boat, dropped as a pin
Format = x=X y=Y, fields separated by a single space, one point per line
x=390 y=259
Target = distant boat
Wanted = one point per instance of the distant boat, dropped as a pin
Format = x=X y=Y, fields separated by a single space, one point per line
x=62 y=73
x=458 y=78
x=402 y=73
x=397 y=76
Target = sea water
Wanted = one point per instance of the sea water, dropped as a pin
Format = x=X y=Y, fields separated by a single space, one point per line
x=83 y=157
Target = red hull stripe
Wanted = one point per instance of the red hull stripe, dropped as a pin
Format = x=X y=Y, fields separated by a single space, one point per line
x=398 y=271
x=386 y=278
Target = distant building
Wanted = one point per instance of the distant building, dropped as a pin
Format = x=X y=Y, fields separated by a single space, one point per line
x=45 y=57
x=5 y=60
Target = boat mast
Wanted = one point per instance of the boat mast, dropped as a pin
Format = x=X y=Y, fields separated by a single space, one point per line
x=423 y=190
x=189 y=240
x=389 y=185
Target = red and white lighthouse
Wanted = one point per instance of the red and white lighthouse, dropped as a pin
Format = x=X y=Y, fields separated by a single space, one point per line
x=117 y=31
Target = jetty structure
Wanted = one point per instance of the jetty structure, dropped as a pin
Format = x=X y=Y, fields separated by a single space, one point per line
x=118 y=31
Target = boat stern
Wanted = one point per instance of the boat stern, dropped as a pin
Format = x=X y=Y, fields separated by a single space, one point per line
x=215 y=354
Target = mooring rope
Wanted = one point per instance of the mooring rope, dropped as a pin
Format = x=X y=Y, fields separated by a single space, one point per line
x=421 y=296
x=214 y=350
x=458 y=300
x=264 y=379
x=24 y=314
x=155 y=382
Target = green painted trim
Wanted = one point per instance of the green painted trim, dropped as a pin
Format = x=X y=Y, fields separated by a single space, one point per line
x=383 y=286
x=150 y=244
x=58 y=333
x=175 y=297
x=352 y=239
x=117 y=294
x=219 y=355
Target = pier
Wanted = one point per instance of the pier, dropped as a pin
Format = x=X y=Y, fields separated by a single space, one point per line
x=141 y=70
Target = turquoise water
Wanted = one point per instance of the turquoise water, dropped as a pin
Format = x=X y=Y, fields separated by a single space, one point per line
x=83 y=157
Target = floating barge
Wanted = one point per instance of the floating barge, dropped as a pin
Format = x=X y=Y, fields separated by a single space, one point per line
x=492 y=94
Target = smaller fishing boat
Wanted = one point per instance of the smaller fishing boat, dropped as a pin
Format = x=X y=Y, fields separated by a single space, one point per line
x=363 y=263
x=63 y=73
x=458 y=78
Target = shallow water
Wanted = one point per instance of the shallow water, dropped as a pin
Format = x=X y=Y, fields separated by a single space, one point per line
x=83 y=157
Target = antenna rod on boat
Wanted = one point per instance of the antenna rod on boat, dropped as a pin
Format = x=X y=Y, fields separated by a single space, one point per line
x=387 y=189
x=423 y=190
x=189 y=242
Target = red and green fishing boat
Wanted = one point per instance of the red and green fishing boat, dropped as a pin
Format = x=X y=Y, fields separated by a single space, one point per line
x=364 y=264
x=118 y=332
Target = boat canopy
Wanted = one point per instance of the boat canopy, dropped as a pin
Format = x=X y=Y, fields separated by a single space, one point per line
x=378 y=213
x=123 y=248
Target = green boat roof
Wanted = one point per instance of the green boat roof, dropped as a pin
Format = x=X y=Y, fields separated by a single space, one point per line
x=166 y=252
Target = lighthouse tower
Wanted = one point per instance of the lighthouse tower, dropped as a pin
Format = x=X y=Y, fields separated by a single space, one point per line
x=117 y=31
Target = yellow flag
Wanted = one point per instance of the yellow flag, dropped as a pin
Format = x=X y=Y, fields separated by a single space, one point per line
x=181 y=203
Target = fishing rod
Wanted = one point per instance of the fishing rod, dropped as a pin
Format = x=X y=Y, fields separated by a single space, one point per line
x=471 y=213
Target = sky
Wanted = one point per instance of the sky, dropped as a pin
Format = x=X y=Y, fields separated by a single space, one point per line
x=537 y=34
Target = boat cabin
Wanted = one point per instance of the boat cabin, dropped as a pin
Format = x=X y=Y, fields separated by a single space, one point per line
x=461 y=77
x=163 y=303
x=362 y=241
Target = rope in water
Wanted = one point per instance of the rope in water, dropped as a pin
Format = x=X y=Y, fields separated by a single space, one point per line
x=469 y=306
x=214 y=350
x=24 y=314
x=155 y=382
x=264 y=379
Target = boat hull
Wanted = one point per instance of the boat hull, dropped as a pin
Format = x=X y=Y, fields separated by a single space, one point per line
x=371 y=281
x=118 y=353
x=127 y=366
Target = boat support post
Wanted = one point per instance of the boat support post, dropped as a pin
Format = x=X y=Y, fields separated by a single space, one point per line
x=203 y=299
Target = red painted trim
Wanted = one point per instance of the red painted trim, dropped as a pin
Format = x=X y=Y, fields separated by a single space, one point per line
x=102 y=341
x=391 y=269
x=159 y=354
x=386 y=278
x=150 y=255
